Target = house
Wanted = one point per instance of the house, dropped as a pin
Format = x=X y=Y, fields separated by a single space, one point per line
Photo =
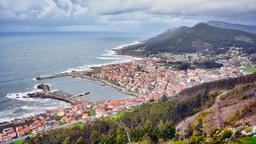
x=26 y=129
x=12 y=135
x=48 y=125
x=61 y=112
x=8 y=137
x=80 y=112
x=20 y=131
x=1 y=135
x=8 y=130
x=99 y=114
x=85 y=116
x=5 y=138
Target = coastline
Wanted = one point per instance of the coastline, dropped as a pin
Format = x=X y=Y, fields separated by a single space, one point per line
x=110 y=53
x=27 y=110
x=85 y=75
x=123 y=74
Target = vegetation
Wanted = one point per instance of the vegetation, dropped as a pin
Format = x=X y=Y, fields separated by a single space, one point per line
x=91 y=112
x=118 y=115
x=152 y=122
x=62 y=123
x=247 y=140
x=250 y=69
x=17 y=142
x=80 y=125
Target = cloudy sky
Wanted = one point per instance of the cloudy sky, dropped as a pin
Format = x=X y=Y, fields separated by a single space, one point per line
x=119 y=15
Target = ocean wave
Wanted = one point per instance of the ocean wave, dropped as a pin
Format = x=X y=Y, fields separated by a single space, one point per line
x=119 y=59
x=30 y=108
x=108 y=54
x=108 y=58
x=23 y=96
x=4 y=117
x=129 y=44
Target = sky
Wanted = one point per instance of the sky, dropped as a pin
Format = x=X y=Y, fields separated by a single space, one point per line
x=135 y=16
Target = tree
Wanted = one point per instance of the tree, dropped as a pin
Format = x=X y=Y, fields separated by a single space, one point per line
x=94 y=137
x=67 y=140
x=163 y=98
x=80 y=140
x=167 y=130
x=27 y=140
x=118 y=139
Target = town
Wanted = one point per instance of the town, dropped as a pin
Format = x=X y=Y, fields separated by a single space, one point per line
x=148 y=79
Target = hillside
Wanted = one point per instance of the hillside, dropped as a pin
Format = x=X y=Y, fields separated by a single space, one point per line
x=232 y=108
x=246 y=28
x=199 y=38
x=155 y=122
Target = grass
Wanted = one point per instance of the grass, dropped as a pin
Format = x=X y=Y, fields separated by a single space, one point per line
x=121 y=114
x=17 y=142
x=57 y=118
x=250 y=69
x=248 y=140
x=62 y=123
x=80 y=125
x=118 y=115
x=91 y=112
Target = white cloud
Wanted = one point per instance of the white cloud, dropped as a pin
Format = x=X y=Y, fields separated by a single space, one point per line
x=136 y=12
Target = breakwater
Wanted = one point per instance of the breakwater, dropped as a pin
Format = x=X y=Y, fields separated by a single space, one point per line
x=58 y=95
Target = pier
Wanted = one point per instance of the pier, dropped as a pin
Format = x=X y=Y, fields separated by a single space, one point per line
x=42 y=77
x=57 y=95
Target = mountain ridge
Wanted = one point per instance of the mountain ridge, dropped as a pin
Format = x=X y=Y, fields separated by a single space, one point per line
x=199 y=38
x=246 y=28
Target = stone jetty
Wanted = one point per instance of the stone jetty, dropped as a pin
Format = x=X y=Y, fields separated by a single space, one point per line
x=57 y=95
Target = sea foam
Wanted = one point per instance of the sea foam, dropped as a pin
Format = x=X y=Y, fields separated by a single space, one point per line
x=23 y=96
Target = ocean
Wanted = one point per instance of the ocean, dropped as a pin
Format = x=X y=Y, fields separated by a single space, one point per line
x=23 y=56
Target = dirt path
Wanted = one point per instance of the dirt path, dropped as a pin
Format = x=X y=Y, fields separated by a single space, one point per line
x=219 y=119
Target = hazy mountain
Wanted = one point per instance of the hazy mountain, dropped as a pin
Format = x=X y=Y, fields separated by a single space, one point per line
x=170 y=33
x=246 y=28
x=199 y=38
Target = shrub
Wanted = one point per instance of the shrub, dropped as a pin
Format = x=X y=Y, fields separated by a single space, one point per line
x=226 y=134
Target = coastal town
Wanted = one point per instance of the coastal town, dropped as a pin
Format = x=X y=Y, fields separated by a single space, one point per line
x=147 y=79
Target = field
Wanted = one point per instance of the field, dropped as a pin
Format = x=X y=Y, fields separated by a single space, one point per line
x=248 y=140
x=17 y=142
x=250 y=69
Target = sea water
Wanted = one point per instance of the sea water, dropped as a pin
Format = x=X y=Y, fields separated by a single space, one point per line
x=23 y=56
